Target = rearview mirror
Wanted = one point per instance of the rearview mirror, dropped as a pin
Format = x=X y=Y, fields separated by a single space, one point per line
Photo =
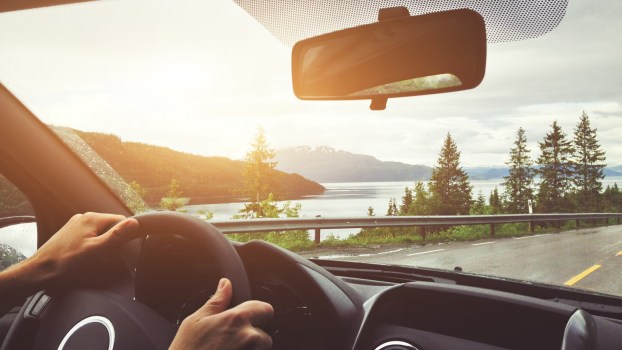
x=405 y=56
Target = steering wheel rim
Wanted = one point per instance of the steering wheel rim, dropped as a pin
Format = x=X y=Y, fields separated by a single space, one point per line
x=148 y=326
x=212 y=241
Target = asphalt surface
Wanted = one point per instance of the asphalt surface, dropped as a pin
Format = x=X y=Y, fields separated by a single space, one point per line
x=589 y=258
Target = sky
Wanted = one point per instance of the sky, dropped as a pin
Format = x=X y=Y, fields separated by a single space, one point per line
x=201 y=76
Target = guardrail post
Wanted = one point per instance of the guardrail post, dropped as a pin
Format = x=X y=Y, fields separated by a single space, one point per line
x=558 y=224
x=578 y=223
x=618 y=221
x=492 y=230
x=317 y=236
x=532 y=226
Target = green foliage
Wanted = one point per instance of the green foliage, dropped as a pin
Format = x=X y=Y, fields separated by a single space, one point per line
x=370 y=211
x=260 y=180
x=392 y=210
x=421 y=200
x=519 y=182
x=449 y=185
x=205 y=214
x=290 y=240
x=259 y=176
x=556 y=172
x=479 y=206
x=407 y=202
x=173 y=200
x=496 y=204
x=589 y=163
x=410 y=235
x=612 y=199
x=268 y=208
x=367 y=237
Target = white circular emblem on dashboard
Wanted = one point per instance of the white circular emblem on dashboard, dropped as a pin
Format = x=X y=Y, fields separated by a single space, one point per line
x=91 y=319
x=396 y=344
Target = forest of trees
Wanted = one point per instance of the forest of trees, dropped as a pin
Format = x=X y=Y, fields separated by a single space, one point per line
x=566 y=177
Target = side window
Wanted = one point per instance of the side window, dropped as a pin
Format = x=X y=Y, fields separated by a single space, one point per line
x=18 y=231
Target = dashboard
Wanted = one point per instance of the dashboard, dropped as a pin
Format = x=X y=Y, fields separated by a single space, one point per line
x=316 y=309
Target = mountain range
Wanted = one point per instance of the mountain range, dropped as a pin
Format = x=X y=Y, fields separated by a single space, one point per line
x=326 y=164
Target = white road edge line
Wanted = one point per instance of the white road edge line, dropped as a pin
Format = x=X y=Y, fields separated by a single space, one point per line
x=474 y=244
x=381 y=253
x=429 y=251
x=545 y=234
x=338 y=256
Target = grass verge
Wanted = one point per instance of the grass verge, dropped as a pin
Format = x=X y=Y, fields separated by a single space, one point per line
x=300 y=241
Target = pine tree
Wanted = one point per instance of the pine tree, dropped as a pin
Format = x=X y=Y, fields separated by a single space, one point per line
x=421 y=200
x=392 y=210
x=479 y=206
x=496 y=206
x=589 y=163
x=370 y=211
x=556 y=171
x=407 y=201
x=613 y=199
x=420 y=205
x=173 y=200
x=260 y=179
x=519 y=183
x=449 y=185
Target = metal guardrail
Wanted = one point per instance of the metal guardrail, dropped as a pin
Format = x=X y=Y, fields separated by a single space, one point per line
x=319 y=223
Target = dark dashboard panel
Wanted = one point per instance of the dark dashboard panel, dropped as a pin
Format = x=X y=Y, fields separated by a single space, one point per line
x=437 y=315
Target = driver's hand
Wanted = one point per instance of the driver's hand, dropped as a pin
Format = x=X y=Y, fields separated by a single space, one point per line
x=78 y=249
x=215 y=327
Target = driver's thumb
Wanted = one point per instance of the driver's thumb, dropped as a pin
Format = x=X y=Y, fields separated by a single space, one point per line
x=220 y=300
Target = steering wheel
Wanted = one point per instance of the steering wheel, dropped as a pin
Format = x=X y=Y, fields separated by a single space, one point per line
x=107 y=319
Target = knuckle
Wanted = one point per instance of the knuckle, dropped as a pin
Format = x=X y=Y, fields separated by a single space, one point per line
x=256 y=338
x=238 y=318
x=189 y=321
x=88 y=217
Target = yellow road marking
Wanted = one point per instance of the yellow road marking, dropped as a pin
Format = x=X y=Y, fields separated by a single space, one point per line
x=619 y=253
x=582 y=275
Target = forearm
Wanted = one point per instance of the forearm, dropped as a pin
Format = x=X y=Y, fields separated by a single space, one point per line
x=24 y=278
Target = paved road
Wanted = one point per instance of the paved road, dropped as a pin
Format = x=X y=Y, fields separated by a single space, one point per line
x=589 y=258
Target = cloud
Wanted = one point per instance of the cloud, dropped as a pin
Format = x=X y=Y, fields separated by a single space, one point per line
x=201 y=81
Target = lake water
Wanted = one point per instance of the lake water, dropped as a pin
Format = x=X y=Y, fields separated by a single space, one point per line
x=353 y=199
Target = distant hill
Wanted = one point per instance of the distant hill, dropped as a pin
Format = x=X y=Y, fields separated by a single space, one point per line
x=326 y=164
x=202 y=179
x=614 y=170
x=486 y=173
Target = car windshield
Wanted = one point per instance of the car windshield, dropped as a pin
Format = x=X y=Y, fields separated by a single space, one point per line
x=190 y=108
